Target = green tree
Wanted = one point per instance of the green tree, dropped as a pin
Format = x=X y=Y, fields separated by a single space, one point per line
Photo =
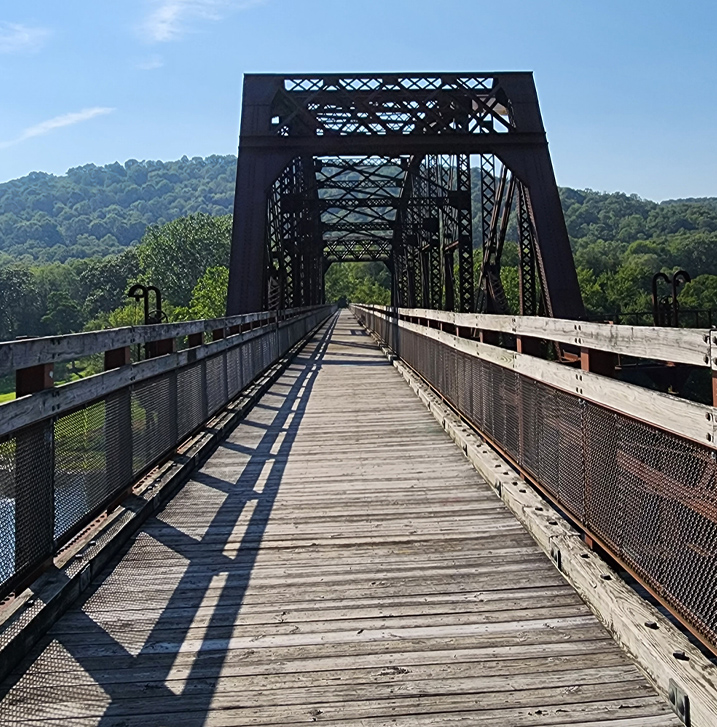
x=175 y=256
x=209 y=297
x=700 y=294
x=359 y=283
x=64 y=315
x=19 y=301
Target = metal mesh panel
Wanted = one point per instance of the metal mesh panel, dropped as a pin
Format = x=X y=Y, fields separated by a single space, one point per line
x=477 y=412
x=510 y=421
x=247 y=363
x=81 y=481
x=27 y=505
x=662 y=491
x=152 y=410
x=216 y=383
x=529 y=423
x=650 y=496
x=234 y=375
x=7 y=509
x=190 y=399
x=603 y=497
x=571 y=466
x=269 y=349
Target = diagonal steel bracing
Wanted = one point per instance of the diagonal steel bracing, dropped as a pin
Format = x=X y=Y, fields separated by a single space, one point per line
x=336 y=168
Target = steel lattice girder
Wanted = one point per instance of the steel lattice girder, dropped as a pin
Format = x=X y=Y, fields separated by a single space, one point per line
x=374 y=129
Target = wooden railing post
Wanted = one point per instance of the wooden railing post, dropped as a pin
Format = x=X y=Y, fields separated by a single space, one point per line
x=161 y=348
x=490 y=337
x=117 y=357
x=598 y=362
x=530 y=346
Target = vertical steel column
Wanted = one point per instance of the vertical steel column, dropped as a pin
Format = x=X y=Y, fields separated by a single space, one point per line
x=526 y=250
x=466 y=296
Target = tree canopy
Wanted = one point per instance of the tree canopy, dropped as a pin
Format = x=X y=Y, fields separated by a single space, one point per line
x=71 y=245
x=95 y=211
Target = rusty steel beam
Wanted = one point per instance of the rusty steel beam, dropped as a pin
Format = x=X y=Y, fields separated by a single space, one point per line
x=386 y=158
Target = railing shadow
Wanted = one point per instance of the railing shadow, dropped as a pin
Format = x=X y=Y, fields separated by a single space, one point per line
x=150 y=684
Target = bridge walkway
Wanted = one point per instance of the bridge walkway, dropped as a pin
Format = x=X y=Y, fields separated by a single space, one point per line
x=337 y=560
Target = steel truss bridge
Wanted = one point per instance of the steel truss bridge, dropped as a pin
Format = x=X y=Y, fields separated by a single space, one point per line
x=336 y=168
x=430 y=513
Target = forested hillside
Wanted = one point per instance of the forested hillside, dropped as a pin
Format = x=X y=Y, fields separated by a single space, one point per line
x=96 y=211
x=70 y=245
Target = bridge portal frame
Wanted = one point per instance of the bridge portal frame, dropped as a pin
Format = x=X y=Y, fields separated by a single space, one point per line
x=415 y=119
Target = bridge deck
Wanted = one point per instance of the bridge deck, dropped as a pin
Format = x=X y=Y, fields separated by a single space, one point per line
x=337 y=560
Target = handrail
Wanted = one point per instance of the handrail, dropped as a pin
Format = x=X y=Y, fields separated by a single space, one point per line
x=691 y=420
x=693 y=346
x=28 y=352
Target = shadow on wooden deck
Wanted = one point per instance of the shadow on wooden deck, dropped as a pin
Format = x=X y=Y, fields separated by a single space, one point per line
x=143 y=673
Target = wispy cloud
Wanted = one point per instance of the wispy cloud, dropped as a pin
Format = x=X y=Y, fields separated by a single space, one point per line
x=17 y=38
x=169 y=19
x=45 y=127
x=150 y=64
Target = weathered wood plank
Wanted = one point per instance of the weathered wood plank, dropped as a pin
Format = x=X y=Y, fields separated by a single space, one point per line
x=24 y=353
x=32 y=408
x=679 y=345
x=335 y=561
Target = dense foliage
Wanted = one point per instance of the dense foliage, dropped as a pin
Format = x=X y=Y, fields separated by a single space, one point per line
x=95 y=211
x=71 y=245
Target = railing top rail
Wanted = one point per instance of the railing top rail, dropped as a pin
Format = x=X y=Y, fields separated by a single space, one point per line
x=688 y=419
x=677 y=345
x=29 y=409
x=24 y=353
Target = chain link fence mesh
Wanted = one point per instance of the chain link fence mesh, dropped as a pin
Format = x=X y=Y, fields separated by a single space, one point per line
x=58 y=474
x=650 y=496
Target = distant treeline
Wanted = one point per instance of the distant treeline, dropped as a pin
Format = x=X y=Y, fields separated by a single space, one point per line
x=70 y=245
x=96 y=211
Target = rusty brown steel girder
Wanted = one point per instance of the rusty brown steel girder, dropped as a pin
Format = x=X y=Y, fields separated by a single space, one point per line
x=385 y=175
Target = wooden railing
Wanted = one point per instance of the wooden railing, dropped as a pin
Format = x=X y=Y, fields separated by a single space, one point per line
x=69 y=451
x=634 y=468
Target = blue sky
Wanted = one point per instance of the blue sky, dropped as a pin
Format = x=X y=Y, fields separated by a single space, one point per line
x=628 y=88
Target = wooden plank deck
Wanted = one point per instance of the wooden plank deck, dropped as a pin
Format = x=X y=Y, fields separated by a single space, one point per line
x=338 y=561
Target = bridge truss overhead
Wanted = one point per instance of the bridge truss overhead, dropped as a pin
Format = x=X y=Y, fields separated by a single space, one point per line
x=378 y=168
